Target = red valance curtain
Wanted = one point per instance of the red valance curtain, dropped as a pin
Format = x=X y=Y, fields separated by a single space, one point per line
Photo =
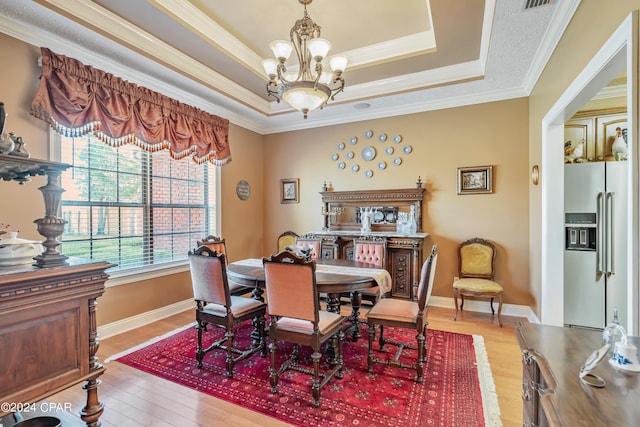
x=77 y=99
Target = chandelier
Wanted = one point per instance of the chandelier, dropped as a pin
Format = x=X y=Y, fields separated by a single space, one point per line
x=307 y=88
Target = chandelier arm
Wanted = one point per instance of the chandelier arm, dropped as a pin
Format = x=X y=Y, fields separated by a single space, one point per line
x=318 y=74
x=270 y=92
x=336 y=91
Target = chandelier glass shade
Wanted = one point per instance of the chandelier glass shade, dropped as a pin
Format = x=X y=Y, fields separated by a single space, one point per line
x=309 y=86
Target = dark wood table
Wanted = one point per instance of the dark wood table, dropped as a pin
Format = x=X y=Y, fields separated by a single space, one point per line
x=552 y=392
x=331 y=283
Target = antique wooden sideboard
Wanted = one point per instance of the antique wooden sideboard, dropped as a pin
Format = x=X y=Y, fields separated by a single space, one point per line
x=552 y=392
x=48 y=337
x=404 y=250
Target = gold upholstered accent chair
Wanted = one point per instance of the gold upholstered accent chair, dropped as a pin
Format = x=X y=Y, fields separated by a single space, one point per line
x=476 y=269
x=287 y=238
x=295 y=316
x=216 y=306
x=404 y=314
x=315 y=243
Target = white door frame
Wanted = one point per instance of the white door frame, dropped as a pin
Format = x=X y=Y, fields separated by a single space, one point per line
x=620 y=51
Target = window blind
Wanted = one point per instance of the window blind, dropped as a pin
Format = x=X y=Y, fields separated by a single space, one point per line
x=131 y=207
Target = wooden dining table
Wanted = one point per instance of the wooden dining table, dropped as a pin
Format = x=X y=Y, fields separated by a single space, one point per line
x=333 y=277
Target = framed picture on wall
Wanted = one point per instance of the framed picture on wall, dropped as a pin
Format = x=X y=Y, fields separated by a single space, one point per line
x=290 y=190
x=475 y=180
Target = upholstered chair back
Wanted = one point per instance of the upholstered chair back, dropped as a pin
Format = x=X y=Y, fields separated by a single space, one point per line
x=288 y=238
x=371 y=252
x=208 y=276
x=477 y=259
x=291 y=287
x=214 y=243
x=314 y=243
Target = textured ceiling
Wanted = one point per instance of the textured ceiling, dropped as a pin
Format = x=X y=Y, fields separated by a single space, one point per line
x=416 y=55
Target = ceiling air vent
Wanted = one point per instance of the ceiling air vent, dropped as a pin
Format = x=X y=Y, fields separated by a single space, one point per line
x=530 y=4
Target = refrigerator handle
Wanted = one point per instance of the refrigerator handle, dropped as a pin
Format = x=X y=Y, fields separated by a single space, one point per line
x=600 y=244
x=610 y=267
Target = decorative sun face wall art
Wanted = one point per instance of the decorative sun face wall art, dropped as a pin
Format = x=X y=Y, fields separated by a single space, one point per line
x=370 y=154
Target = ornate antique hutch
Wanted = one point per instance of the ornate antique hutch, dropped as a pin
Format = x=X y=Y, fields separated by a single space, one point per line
x=342 y=225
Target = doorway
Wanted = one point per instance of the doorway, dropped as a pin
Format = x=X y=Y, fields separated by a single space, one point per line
x=618 y=53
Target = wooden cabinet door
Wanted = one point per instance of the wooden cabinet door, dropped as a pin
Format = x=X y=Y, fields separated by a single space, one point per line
x=400 y=265
x=578 y=131
x=597 y=130
x=606 y=133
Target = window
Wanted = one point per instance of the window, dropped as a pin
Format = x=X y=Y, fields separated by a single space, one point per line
x=131 y=207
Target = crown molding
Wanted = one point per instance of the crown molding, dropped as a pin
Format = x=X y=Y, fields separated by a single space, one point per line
x=559 y=22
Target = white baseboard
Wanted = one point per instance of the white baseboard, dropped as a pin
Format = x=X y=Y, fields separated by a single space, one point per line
x=124 y=325
x=482 y=306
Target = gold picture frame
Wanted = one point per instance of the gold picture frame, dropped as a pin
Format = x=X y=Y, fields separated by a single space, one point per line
x=475 y=180
x=290 y=190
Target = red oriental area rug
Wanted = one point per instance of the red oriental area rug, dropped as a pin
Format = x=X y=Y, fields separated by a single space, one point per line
x=458 y=388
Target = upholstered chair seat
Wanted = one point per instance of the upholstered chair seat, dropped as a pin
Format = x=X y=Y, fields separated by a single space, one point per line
x=478 y=285
x=395 y=310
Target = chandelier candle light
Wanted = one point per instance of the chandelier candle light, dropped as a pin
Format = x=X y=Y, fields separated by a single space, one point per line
x=306 y=89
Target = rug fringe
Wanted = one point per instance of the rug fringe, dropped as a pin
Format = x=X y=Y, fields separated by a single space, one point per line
x=151 y=341
x=490 y=404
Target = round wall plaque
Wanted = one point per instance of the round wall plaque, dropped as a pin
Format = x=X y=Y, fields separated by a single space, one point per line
x=243 y=190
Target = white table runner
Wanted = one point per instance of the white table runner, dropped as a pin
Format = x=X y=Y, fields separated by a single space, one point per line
x=381 y=276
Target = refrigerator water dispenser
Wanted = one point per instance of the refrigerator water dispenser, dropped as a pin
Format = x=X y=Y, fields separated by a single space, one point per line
x=580 y=232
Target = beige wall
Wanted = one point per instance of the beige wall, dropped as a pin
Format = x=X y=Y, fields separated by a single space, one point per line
x=21 y=204
x=488 y=134
x=580 y=42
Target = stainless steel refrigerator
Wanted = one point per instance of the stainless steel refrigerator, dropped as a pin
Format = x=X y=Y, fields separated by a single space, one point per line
x=595 y=255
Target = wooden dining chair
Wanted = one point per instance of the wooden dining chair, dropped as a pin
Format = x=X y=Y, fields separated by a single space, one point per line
x=216 y=306
x=404 y=314
x=295 y=316
x=476 y=274
x=219 y=245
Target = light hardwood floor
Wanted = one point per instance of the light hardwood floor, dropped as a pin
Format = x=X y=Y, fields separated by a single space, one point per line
x=134 y=398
